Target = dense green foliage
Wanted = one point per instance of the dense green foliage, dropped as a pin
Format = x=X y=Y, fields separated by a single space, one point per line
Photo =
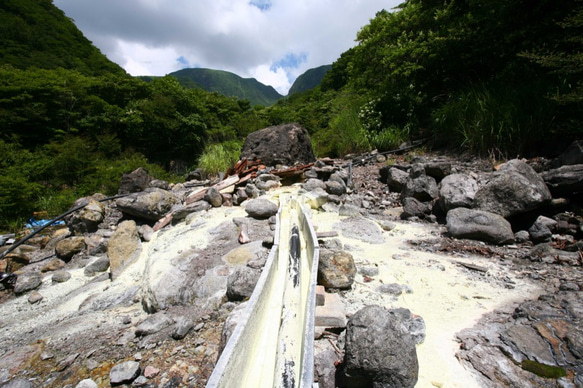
x=309 y=80
x=492 y=76
x=228 y=84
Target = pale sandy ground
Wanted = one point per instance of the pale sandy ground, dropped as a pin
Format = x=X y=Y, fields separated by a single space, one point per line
x=446 y=295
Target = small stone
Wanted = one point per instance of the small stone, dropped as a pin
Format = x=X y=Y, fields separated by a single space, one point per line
x=87 y=383
x=18 y=383
x=569 y=286
x=391 y=289
x=124 y=373
x=53 y=265
x=151 y=372
x=369 y=271
x=61 y=277
x=35 y=297
x=140 y=381
x=388 y=225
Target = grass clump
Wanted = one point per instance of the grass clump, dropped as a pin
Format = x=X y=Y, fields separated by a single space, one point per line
x=219 y=157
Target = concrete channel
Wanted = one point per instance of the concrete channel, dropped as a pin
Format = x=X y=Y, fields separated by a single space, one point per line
x=273 y=346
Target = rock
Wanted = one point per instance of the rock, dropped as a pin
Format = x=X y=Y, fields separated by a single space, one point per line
x=514 y=189
x=153 y=324
x=348 y=210
x=540 y=231
x=379 y=350
x=135 y=181
x=182 y=327
x=240 y=196
x=27 y=281
x=415 y=208
x=566 y=180
x=479 y=225
x=336 y=269
x=414 y=324
x=53 y=265
x=61 y=276
x=572 y=155
x=422 y=187
x=124 y=373
x=283 y=144
x=18 y=383
x=261 y=208
x=68 y=247
x=35 y=297
x=124 y=247
x=214 y=197
x=180 y=212
x=396 y=179
x=88 y=218
x=87 y=383
x=394 y=289
x=151 y=372
x=335 y=188
x=150 y=205
x=252 y=191
x=239 y=314
x=100 y=264
x=438 y=170
x=313 y=184
x=361 y=229
x=316 y=198
x=241 y=283
x=325 y=368
x=521 y=236
x=457 y=190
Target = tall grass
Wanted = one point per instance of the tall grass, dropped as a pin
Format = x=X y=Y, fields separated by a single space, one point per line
x=498 y=119
x=219 y=157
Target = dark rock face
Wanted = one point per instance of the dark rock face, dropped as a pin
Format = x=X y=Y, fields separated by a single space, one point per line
x=572 y=155
x=422 y=188
x=415 y=208
x=565 y=180
x=514 y=189
x=283 y=144
x=135 y=181
x=479 y=225
x=380 y=352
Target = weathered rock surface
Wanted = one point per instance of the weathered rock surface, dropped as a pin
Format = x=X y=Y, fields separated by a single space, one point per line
x=68 y=247
x=479 y=225
x=336 y=269
x=261 y=208
x=150 y=205
x=380 y=352
x=88 y=218
x=283 y=144
x=421 y=187
x=27 y=281
x=457 y=190
x=124 y=373
x=241 y=283
x=137 y=180
x=124 y=247
x=515 y=188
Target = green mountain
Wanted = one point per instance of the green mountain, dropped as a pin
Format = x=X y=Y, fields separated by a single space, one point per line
x=309 y=80
x=35 y=33
x=228 y=84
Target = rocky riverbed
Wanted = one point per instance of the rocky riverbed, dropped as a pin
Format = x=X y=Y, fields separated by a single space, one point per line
x=493 y=315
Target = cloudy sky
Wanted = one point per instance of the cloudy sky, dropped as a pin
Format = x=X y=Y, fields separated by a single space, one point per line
x=273 y=41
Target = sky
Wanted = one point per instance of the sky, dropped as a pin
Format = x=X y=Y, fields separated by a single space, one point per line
x=273 y=41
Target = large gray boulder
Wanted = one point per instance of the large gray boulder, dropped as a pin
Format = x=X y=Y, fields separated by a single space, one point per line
x=457 y=190
x=380 y=352
x=479 y=225
x=565 y=180
x=261 y=208
x=514 y=189
x=150 y=205
x=285 y=144
x=135 y=181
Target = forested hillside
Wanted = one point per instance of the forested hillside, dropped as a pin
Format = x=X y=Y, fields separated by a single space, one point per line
x=309 y=80
x=228 y=84
x=494 y=77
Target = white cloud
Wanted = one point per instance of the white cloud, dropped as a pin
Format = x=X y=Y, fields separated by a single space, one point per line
x=248 y=38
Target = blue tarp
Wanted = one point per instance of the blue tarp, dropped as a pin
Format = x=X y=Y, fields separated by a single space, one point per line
x=35 y=224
